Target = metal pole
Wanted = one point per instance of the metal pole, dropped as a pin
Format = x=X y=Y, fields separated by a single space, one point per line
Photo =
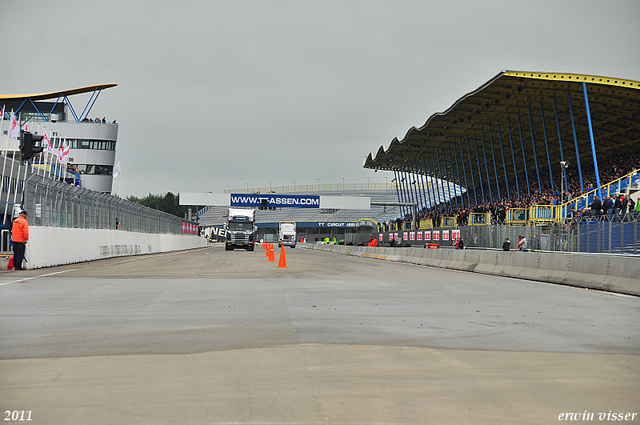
x=524 y=156
x=535 y=155
x=473 y=180
x=464 y=168
x=417 y=176
x=504 y=165
x=444 y=196
x=593 y=142
x=495 y=165
x=455 y=190
x=564 y=170
x=475 y=142
x=486 y=166
x=455 y=155
x=433 y=186
x=546 y=144
x=395 y=173
x=426 y=190
x=513 y=157
x=575 y=140
x=437 y=185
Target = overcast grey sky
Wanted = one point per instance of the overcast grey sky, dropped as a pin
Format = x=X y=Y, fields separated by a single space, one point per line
x=213 y=94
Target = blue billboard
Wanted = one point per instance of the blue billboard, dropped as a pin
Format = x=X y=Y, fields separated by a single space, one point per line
x=274 y=200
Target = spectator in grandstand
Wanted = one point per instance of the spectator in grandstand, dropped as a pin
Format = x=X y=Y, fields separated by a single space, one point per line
x=607 y=206
x=596 y=208
x=617 y=207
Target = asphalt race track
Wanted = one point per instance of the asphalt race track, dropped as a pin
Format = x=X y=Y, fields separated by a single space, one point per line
x=213 y=337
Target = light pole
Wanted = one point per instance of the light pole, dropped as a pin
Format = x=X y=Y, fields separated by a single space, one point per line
x=269 y=186
x=367 y=182
x=564 y=166
x=318 y=178
x=247 y=183
x=342 y=182
x=385 y=183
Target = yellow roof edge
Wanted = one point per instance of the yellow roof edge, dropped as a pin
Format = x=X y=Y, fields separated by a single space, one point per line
x=576 y=78
x=55 y=94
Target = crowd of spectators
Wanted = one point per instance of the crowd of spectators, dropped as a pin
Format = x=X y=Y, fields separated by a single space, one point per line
x=611 y=208
x=103 y=120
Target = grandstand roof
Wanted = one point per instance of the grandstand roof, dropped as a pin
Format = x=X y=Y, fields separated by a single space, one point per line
x=496 y=108
x=56 y=94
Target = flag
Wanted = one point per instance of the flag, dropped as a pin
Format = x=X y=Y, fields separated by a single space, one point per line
x=116 y=169
x=63 y=153
x=14 y=128
x=2 y=113
x=48 y=147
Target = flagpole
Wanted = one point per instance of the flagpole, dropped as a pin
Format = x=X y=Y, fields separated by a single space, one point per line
x=13 y=162
x=40 y=155
x=4 y=165
x=15 y=193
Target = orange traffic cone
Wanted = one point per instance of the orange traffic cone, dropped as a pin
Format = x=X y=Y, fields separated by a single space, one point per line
x=266 y=246
x=271 y=254
x=282 y=264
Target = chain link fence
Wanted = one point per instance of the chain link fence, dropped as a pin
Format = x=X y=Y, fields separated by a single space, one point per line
x=53 y=203
x=617 y=234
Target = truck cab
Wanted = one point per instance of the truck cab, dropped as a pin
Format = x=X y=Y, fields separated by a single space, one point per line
x=287 y=234
x=241 y=229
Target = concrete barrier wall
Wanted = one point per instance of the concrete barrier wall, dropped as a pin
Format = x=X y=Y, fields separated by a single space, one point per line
x=614 y=273
x=54 y=246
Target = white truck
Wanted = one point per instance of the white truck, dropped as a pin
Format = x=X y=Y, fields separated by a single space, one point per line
x=241 y=229
x=287 y=234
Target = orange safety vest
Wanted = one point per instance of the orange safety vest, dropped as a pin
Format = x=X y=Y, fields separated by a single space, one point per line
x=20 y=230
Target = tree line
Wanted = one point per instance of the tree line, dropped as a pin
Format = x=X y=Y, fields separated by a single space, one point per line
x=168 y=203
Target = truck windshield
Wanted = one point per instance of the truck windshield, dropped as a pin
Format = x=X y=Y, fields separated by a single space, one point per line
x=235 y=226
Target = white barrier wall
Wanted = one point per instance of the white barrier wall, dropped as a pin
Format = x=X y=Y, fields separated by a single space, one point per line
x=607 y=272
x=54 y=246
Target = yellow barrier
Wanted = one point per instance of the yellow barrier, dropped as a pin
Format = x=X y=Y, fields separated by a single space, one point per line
x=479 y=219
x=518 y=216
x=544 y=214
x=449 y=222
x=426 y=224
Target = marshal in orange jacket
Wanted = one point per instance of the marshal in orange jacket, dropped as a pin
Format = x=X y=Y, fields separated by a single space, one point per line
x=20 y=229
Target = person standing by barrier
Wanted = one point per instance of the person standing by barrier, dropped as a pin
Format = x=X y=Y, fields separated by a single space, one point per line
x=20 y=236
x=373 y=242
x=506 y=246
x=522 y=243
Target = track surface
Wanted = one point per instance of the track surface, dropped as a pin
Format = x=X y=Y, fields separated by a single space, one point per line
x=208 y=336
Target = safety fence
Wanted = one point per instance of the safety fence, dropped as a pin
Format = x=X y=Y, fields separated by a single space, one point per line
x=617 y=235
x=54 y=203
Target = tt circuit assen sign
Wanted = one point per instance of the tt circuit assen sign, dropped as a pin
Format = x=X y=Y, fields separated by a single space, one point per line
x=278 y=201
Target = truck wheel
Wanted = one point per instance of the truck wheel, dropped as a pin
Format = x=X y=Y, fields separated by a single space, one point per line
x=228 y=248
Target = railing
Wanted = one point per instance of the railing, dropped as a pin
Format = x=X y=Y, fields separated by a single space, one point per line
x=518 y=216
x=479 y=219
x=314 y=188
x=616 y=186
